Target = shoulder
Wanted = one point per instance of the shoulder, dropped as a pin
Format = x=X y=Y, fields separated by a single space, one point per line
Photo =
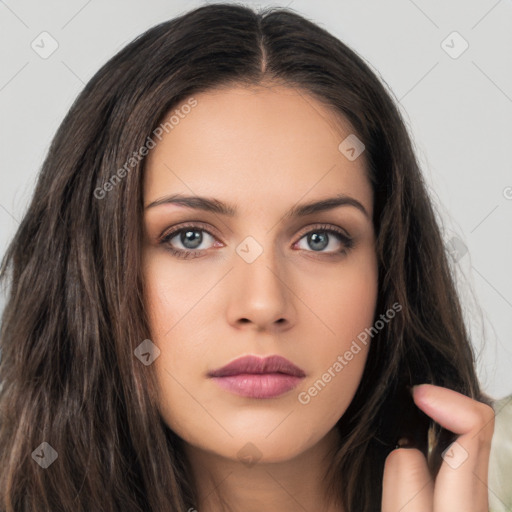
x=500 y=462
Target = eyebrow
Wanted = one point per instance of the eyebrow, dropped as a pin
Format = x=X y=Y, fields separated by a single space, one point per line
x=215 y=206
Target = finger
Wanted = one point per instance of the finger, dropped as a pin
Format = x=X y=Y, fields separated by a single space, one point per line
x=461 y=483
x=407 y=485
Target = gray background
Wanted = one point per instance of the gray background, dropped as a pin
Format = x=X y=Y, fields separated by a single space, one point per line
x=458 y=111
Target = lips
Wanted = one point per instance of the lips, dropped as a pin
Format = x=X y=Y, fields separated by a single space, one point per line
x=255 y=377
x=258 y=365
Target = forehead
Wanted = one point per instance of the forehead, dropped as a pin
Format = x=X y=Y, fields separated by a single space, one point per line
x=258 y=144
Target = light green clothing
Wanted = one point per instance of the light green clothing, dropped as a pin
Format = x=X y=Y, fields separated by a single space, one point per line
x=500 y=463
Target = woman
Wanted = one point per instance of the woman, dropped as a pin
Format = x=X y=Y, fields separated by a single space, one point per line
x=227 y=286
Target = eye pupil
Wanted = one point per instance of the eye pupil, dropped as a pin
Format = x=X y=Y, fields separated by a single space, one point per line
x=194 y=236
x=318 y=241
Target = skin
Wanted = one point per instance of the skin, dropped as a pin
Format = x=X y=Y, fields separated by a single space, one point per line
x=263 y=150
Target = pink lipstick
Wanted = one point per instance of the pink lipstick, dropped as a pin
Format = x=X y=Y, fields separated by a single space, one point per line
x=256 y=377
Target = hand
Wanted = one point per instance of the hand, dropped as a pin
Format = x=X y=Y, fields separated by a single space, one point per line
x=461 y=484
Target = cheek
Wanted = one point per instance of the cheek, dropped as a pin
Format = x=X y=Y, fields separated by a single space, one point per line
x=343 y=301
x=346 y=310
x=176 y=303
x=172 y=292
x=175 y=325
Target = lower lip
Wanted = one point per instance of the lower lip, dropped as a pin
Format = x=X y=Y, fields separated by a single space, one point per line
x=266 y=385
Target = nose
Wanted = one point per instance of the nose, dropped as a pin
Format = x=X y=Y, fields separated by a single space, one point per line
x=261 y=294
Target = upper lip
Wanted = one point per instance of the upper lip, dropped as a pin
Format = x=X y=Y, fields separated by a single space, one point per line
x=258 y=365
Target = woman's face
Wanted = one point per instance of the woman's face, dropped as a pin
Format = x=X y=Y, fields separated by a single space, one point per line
x=265 y=279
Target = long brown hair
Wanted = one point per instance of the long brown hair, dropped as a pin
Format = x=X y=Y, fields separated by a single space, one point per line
x=75 y=309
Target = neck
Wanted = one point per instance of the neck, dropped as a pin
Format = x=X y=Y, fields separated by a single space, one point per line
x=224 y=484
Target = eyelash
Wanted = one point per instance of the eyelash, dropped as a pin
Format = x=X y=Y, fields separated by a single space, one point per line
x=189 y=254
